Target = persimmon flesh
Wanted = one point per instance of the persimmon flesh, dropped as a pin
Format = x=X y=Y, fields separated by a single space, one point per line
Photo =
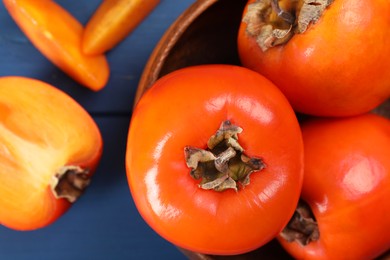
x=58 y=36
x=49 y=148
x=112 y=22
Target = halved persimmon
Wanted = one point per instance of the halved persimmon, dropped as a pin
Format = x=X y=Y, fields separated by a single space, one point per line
x=49 y=148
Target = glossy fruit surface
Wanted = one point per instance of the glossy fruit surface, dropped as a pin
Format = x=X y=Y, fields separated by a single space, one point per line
x=346 y=185
x=180 y=112
x=337 y=67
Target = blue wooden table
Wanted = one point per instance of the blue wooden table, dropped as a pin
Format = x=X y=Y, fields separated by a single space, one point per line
x=104 y=223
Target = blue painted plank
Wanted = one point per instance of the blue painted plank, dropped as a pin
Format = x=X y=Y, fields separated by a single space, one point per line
x=104 y=223
x=19 y=57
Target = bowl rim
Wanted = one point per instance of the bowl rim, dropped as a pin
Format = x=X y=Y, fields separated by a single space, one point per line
x=156 y=60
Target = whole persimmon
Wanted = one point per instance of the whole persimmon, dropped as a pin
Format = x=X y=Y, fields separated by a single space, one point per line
x=215 y=159
x=345 y=209
x=330 y=58
x=49 y=149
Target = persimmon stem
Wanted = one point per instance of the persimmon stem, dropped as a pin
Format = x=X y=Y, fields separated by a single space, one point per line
x=223 y=165
x=272 y=25
x=302 y=227
x=70 y=182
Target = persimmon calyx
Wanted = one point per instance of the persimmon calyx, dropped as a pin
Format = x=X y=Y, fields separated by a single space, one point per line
x=275 y=22
x=223 y=165
x=302 y=227
x=70 y=182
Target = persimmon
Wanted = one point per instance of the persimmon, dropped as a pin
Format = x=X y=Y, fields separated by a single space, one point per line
x=345 y=212
x=215 y=159
x=49 y=149
x=330 y=58
x=112 y=22
x=58 y=36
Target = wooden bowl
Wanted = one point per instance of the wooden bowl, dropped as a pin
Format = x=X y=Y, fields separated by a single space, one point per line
x=206 y=33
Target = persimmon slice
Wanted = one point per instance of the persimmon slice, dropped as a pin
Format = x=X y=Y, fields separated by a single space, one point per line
x=58 y=35
x=46 y=137
x=112 y=22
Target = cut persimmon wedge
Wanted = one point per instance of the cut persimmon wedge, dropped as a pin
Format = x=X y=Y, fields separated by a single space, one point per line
x=49 y=149
x=58 y=35
x=112 y=22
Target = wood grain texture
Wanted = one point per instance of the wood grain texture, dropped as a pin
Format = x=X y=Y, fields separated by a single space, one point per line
x=204 y=34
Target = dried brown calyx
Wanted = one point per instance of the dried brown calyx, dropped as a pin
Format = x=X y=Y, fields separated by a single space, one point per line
x=70 y=182
x=223 y=165
x=302 y=227
x=274 y=22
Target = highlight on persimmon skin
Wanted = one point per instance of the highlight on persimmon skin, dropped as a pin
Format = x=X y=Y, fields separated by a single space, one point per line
x=49 y=149
x=220 y=154
x=345 y=188
x=58 y=36
x=112 y=22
